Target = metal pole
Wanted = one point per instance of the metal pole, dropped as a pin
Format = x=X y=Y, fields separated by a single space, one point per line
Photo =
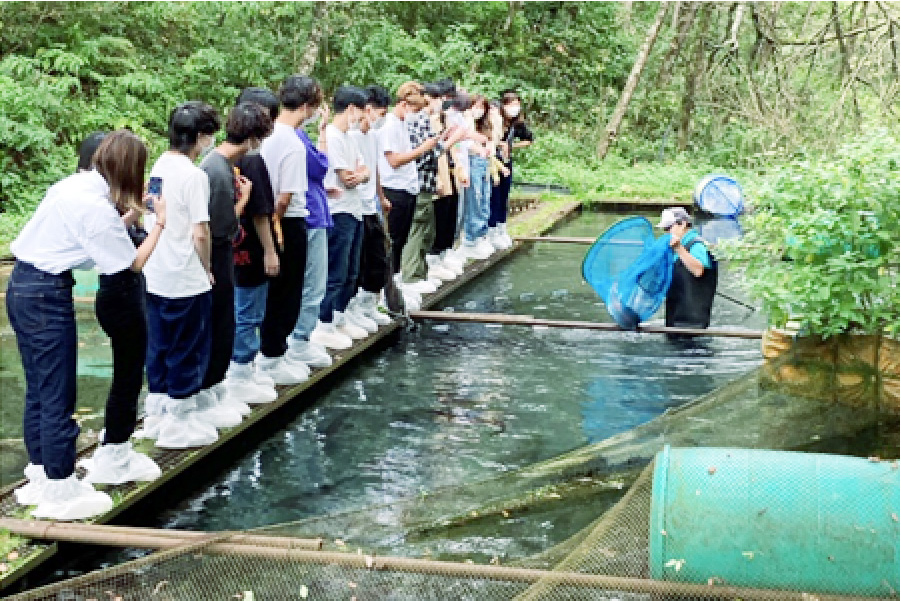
x=529 y=320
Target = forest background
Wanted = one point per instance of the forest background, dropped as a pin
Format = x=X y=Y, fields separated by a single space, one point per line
x=801 y=93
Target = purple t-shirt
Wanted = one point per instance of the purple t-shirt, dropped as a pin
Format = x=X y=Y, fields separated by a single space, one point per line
x=317 y=167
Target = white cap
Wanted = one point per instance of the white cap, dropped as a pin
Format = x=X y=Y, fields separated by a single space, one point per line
x=672 y=215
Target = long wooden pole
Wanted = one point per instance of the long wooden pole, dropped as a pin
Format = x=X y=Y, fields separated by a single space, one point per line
x=89 y=534
x=529 y=320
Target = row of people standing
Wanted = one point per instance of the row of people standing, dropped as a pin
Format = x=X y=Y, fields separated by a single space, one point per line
x=255 y=263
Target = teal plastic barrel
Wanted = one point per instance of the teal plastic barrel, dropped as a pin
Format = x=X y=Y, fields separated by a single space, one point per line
x=777 y=520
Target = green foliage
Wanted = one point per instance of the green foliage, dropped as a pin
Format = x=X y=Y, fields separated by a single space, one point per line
x=822 y=244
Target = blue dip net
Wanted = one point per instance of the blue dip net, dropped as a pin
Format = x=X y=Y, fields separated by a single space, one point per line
x=719 y=195
x=630 y=270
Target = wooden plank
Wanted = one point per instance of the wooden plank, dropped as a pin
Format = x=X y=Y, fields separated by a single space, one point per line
x=529 y=320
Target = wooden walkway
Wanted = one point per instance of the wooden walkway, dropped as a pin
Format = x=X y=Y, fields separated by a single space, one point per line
x=177 y=465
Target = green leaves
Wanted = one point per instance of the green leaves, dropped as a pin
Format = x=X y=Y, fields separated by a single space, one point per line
x=836 y=221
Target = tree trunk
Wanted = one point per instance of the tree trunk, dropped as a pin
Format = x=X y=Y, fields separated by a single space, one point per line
x=685 y=22
x=691 y=84
x=613 y=126
x=317 y=31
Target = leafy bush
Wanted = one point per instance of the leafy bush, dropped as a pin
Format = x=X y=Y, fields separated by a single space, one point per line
x=822 y=244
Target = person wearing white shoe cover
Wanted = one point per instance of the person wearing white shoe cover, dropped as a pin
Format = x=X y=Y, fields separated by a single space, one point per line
x=247 y=125
x=373 y=270
x=255 y=261
x=285 y=155
x=516 y=135
x=179 y=277
x=347 y=172
x=78 y=223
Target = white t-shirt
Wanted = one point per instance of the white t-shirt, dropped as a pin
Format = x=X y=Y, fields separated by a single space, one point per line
x=76 y=226
x=343 y=154
x=174 y=269
x=367 y=144
x=394 y=137
x=286 y=161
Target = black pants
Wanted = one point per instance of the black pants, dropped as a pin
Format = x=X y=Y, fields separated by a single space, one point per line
x=446 y=209
x=222 y=324
x=374 y=255
x=400 y=220
x=119 y=306
x=283 y=300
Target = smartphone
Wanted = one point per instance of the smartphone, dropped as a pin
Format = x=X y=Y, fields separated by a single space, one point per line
x=154 y=190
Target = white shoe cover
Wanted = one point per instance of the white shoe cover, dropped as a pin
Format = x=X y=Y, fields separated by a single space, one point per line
x=325 y=334
x=421 y=287
x=356 y=315
x=232 y=402
x=118 y=464
x=369 y=304
x=503 y=237
x=308 y=352
x=180 y=429
x=486 y=248
x=279 y=370
x=298 y=368
x=211 y=411
x=240 y=387
x=493 y=238
x=71 y=499
x=412 y=300
x=348 y=327
x=451 y=262
x=473 y=250
x=32 y=492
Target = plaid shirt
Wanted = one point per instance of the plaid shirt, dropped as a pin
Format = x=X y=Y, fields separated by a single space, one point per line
x=420 y=129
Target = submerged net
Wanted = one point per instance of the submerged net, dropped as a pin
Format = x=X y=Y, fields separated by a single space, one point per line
x=605 y=557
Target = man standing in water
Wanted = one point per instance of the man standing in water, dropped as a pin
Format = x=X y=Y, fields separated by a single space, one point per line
x=690 y=296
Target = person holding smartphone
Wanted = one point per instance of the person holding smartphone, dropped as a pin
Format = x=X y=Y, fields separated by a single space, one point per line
x=78 y=225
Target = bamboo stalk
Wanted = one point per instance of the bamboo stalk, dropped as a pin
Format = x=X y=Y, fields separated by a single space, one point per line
x=86 y=533
x=529 y=320
x=121 y=536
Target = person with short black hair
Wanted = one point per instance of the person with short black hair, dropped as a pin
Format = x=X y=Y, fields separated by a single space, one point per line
x=77 y=224
x=286 y=162
x=346 y=172
x=179 y=279
x=247 y=125
x=256 y=260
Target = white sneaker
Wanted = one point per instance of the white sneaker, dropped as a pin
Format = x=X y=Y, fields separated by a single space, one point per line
x=503 y=237
x=32 y=492
x=369 y=305
x=325 y=334
x=356 y=314
x=452 y=262
x=299 y=368
x=474 y=250
x=348 y=327
x=71 y=499
x=412 y=300
x=118 y=464
x=493 y=238
x=281 y=372
x=421 y=287
x=180 y=427
x=234 y=401
x=308 y=352
x=210 y=411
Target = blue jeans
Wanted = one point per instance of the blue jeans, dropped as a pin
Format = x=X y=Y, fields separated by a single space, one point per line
x=179 y=340
x=314 y=278
x=344 y=242
x=250 y=307
x=477 y=204
x=42 y=314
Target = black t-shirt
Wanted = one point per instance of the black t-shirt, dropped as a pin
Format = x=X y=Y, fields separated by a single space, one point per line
x=223 y=223
x=518 y=130
x=249 y=270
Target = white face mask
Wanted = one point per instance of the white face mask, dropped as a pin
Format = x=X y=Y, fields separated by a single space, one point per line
x=512 y=110
x=379 y=122
x=478 y=113
x=312 y=119
x=354 y=126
